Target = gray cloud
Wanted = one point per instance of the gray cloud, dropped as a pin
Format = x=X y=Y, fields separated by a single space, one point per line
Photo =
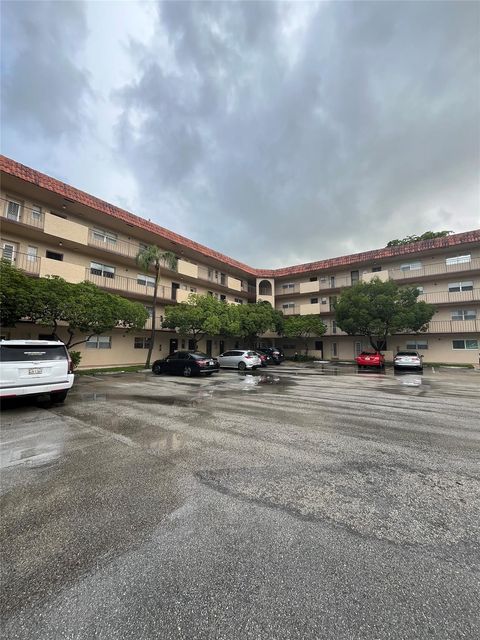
x=361 y=126
x=45 y=91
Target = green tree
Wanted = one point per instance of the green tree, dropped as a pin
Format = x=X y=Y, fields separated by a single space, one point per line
x=81 y=308
x=153 y=257
x=379 y=309
x=201 y=315
x=428 y=235
x=304 y=327
x=16 y=294
x=251 y=320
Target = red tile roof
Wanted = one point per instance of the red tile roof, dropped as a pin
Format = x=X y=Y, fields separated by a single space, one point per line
x=62 y=189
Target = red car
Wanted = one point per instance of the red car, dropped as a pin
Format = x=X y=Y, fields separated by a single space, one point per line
x=370 y=359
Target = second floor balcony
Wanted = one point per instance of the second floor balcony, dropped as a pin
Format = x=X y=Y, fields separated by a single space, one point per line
x=124 y=285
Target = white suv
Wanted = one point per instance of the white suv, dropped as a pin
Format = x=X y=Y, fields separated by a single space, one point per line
x=239 y=359
x=35 y=367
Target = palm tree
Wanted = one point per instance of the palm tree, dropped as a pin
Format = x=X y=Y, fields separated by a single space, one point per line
x=154 y=257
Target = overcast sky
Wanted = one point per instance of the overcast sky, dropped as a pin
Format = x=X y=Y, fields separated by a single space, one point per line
x=277 y=133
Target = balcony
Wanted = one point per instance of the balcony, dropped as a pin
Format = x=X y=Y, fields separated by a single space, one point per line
x=291 y=311
x=435 y=269
x=65 y=229
x=288 y=291
x=452 y=297
x=25 y=216
x=66 y=270
x=309 y=287
x=123 y=285
x=309 y=309
x=454 y=326
x=23 y=261
x=113 y=245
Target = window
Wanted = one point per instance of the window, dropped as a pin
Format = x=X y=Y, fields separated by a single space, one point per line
x=145 y=281
x=32 y=253
x=288 y=286
x=223 y=279
x=458 y=260
x=465 y=344
x=36 y=212
x=334 y=326
x=376 y=269
x=324 y=301
x=108 y=237
x=192 y=345
x=313 y=279
x=53 y=255
x=318 y=345
x=98 y=269
x=460 y=286
x=354 y=276
x=334 y=350
x=13 y=210
x=141 y=343
x=288 y=305
x=238 y=300
x=9 y=249
x=313 y=300
x=411 y=266
x=99 y=342
x=59 y=215
x=464 y=314
x=417 y=345
x=223 y=297
x=149 y=311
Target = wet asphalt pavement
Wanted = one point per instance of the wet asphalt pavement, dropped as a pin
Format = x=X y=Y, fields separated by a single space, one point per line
x=302 y=503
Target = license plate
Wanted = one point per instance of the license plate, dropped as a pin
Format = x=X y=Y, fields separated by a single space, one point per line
x=34 y=372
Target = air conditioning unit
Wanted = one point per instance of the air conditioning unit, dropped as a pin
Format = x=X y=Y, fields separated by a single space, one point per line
x=324 y=301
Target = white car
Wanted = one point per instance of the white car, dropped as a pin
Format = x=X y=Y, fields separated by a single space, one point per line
x=35 y=367
x=408 y=360
x=239 y=359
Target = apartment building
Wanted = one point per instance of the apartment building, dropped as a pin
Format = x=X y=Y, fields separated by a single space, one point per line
x=50 y=228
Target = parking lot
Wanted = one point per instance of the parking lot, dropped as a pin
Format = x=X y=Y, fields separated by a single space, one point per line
x=294 y=502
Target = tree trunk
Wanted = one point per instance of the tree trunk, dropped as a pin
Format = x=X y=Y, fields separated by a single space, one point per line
x=154 y=317
x=306 y=347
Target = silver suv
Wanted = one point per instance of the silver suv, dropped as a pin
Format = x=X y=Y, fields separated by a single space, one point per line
x=239 y=359
x=35 y=367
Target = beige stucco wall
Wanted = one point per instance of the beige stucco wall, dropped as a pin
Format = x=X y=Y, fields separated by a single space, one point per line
x=309 y=287
x=234 y=283
x=70 y=272
x=187 y=269
x=65 y=229
x=308 y=309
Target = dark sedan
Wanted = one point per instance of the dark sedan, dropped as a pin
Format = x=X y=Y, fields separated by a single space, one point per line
x=186 y=363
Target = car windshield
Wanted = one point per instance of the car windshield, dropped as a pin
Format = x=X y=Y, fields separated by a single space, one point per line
x=200 y=355
x=407 y=353
x=26 y=353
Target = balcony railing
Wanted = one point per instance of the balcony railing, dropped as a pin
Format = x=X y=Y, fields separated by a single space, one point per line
x=291 y=311
x=23 y=261
x=25 y=216
x=437 y=268
x=443 y=297
x=127 y=285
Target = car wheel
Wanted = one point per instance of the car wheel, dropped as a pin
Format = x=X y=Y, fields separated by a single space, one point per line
x=157 y=369
x=59 y=397
x=242 y=366
x=187 y=372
